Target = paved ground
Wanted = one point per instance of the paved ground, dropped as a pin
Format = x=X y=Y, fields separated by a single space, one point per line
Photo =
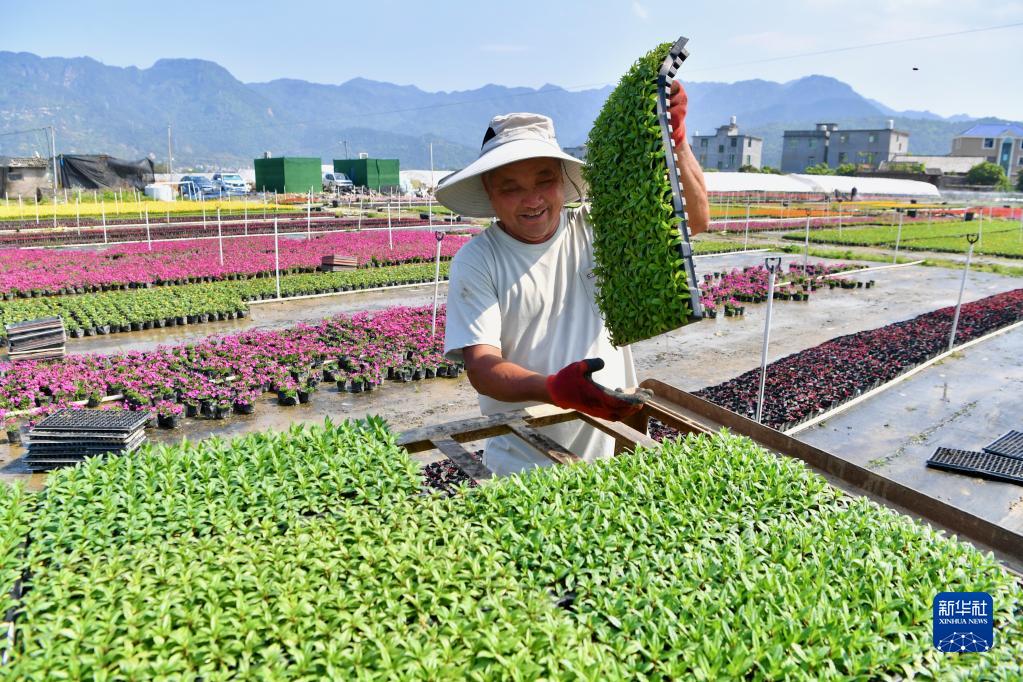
x=965 y=401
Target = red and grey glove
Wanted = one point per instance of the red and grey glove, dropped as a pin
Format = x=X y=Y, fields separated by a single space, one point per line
x=678 y=103
x=573 y=388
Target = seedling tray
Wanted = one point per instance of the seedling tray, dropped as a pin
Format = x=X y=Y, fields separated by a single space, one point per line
x=1009 y=445
x=980 y=464
x=93 y=420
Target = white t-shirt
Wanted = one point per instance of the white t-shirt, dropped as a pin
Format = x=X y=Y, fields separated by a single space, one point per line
x=537 y=303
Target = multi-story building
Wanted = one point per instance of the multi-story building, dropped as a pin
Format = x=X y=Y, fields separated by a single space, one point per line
x=727 y=150
x=827 y=144
x=1000 y=143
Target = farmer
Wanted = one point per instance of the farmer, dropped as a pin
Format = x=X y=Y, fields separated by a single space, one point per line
x=521 y=310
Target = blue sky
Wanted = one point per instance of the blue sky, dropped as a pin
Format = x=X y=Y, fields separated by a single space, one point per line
x=460 y=45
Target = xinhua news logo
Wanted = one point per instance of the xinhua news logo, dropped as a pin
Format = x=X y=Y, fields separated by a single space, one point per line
x=963 y=622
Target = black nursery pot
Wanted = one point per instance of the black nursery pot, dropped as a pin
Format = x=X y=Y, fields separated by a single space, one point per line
x=244 y=408
x=191 y=410
x=221 y=412
x=14 y=436
x=169 y=421
x=206 y=408
x=286 y=400
x=303 y=397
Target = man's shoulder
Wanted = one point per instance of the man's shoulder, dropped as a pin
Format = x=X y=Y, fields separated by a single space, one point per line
x=475 y=251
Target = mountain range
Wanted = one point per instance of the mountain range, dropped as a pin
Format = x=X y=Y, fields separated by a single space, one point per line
x=218 y=121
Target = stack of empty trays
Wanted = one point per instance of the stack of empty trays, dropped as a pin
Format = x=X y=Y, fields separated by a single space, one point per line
x=70 y=436
x=1002 y=460
x=41 y=339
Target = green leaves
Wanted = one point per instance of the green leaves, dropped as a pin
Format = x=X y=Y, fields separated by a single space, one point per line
x=635 y=230
x=312 y=555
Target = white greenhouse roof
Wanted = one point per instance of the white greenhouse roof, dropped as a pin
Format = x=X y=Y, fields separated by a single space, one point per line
x=817 y=184
x=870 y=186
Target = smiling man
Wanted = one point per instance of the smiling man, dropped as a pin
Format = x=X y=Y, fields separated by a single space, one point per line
x=521 y=309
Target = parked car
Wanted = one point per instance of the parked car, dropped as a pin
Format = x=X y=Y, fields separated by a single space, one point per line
x=198 y=187
x=230 y=184
x=337 y=182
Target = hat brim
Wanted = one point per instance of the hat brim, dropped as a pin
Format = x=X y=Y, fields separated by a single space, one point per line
x=463 y=192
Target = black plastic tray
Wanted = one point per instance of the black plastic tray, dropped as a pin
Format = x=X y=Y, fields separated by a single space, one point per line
x=669 y=68
x=1009 y=445
x=979 y=464
x=93 y=420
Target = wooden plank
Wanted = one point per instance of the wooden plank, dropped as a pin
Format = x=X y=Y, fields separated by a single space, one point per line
x=625 y=436
x=476 y=428
x=542 y=444
x=463 y=459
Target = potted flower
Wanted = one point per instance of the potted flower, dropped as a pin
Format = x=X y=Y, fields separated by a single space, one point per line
x=244 y=402
x=167 y=414
x=287 y=392
x=94 y=398
x=221 y=408
x=305 y=391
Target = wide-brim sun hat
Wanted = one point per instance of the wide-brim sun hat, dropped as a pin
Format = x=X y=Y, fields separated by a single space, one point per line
x=510 y=138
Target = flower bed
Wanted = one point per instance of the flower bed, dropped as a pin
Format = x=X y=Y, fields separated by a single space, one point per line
x=1001 y=237
x=123 y=311
x=40 y=272
x=726 y=291
x=311 y=555
x=805 y=384
x=356 y=353
x=128 y=230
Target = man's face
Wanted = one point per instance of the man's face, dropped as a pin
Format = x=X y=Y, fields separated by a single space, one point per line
x=527 y=197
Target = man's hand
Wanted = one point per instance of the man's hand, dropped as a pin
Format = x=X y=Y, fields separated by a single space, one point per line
x=690 y=175
x=678 y=103
x=573 y=388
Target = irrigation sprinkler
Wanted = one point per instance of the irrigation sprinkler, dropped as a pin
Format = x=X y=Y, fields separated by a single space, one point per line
x=220 y=237
x=37 y=212
x=245 y=212
x=358 y=227
x=773 y=265
x=277 y=260
x=309 y=217
x=972 y=239
x=78 y=214
x=149 y=238
x=103 y=213
x=54 y=211
x=203 y=215
x=898 y=237
x=439 y=235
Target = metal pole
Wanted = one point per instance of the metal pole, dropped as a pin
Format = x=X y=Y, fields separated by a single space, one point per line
x=103 y=212
x=170 y=165
x=972 y=239
x=245 y=209
x=439 y=235
x=220 y=237
x=37 y=211
x=309 y=217
x=840 y=219
x=980 y=230
x=772 y=265
x=745 y=246
x=806 y=244
x=203 y=215
x=390 y=238
x=78 y=212
x=277 y=259
x=898 y=238
x=359 y=226
x=53 y=153
x=429 y=208
x=54 y=211
x=149 y=237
